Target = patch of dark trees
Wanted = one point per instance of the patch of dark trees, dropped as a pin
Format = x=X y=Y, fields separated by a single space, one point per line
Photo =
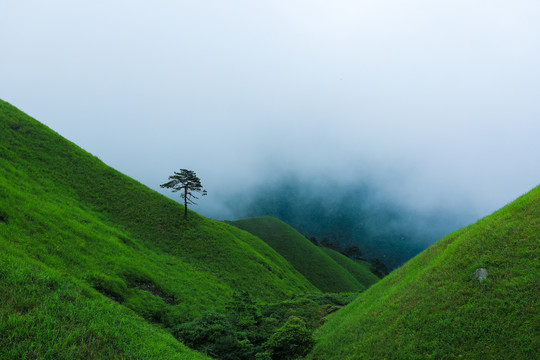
x=249 y=330
x=352 y=252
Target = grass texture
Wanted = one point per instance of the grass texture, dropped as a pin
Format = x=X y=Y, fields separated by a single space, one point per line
x=357 y=268
x=328 y=271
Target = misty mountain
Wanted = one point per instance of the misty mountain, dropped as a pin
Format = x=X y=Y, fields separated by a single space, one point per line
x=351 y=213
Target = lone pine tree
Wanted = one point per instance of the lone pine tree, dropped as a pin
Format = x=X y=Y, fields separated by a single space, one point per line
x=187 y=182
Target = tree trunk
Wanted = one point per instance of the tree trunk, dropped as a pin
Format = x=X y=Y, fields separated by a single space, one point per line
x=185 y=202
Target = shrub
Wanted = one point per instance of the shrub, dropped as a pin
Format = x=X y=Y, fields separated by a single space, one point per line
x=291 y=341
x=213 y=334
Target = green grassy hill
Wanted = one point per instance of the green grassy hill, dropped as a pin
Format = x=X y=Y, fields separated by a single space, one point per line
x=46 y=314
x=359 y=269
x=75 y=230
x=434 y=308
x=313 y=262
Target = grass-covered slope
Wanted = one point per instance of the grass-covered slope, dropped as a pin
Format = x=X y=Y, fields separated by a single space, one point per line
x=44 y=314
x=361 y=270
x=434 y=308
x=71 y=217
x=310 y=260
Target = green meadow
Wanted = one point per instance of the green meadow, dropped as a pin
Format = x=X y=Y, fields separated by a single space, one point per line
x=360 y=269
x=327 y=269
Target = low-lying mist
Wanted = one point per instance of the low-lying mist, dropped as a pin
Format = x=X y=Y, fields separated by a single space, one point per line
x=354 y=213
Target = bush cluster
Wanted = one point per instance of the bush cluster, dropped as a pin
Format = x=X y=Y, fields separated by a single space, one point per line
x=248 y=330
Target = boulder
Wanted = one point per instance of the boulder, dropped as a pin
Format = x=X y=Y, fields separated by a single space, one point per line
x=481 y=274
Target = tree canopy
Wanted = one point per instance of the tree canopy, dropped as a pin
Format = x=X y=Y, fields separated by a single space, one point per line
x=187 y=182
x=352 y=252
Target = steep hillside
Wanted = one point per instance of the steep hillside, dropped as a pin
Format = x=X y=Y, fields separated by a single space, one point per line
x=359 y=269
x=45 y=314
x=434 y=308
x=310 y=260
x=71 y=218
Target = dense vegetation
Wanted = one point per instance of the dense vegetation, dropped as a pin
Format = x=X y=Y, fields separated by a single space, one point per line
x=77 y=230
x=434 y=308
x=326 y=269
x=249 y=330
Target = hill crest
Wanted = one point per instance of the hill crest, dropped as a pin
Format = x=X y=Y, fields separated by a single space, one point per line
x=326 y=269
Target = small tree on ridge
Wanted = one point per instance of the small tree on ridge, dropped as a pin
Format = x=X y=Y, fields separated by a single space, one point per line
x=187 y=182
x=352 y=252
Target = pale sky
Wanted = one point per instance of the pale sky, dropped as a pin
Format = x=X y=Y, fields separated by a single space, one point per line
x=436 y=102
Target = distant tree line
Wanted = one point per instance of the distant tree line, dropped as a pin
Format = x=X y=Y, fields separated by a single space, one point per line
x=352 y=252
